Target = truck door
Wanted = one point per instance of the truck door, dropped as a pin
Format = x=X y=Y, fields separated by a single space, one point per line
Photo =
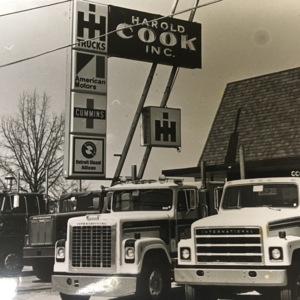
x=18 y=216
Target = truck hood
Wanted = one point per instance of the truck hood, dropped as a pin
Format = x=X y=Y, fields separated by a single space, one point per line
x=122 y=216
x=65 y=215
x=257 y=216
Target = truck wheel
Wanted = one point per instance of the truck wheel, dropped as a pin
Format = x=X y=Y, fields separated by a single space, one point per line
x=73 y=297
x=155 y=281
x=13 y=263
x=292 y=290
x=198 y=292
x=43 y=270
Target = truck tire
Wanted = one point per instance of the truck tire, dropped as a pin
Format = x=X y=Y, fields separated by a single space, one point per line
x=292 y=290
x=12 y=264
x=73 y=297
x=154 y=282
x=198 y=293
x=43 y=270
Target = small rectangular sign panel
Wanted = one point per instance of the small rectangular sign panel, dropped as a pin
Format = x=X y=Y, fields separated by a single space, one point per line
x=88 y=157
x=90 y=26
x=88 y=114
x=161 y=127
x=89 y=73
x=153 y=38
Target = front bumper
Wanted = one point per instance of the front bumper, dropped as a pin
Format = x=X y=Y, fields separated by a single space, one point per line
x=109 y=286
x=231 y=277
x=38 y=252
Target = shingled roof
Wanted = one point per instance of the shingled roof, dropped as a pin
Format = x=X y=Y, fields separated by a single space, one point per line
x=262 y=114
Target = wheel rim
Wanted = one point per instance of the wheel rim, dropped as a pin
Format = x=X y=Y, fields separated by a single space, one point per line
x=12 y=262
x=155 y=284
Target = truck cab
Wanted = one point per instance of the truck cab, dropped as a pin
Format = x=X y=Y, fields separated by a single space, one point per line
x=15 y=210
x=132 y=249
x=252 y=244
x=44 y=230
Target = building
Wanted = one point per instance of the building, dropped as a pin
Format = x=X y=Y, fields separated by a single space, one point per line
x=261 y=115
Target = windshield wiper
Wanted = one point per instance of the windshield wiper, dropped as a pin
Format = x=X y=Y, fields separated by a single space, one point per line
x=272 y=207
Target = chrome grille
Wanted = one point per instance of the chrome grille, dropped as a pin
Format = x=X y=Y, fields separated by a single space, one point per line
x=229 y=245
x=41 y=232
x=92 y=246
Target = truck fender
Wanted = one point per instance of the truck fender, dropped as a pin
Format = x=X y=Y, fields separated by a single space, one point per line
x=146 y=245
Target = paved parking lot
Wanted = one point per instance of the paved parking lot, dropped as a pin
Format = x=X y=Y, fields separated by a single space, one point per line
x=28 y=287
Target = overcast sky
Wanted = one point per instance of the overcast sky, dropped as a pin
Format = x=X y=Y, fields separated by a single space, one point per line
x=240 y=39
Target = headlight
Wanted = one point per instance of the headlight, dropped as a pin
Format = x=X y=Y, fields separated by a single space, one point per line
x=276 y=253
x=129 y=253
x=60 y=254
x=185 y=253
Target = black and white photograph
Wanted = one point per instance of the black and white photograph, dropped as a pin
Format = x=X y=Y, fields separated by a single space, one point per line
x=150 y=150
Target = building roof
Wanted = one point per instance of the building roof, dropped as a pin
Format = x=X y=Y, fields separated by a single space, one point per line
x=262 y=114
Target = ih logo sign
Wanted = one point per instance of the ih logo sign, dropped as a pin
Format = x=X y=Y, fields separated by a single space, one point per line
x=161 y=127
x=90 y=26
x=165 y=130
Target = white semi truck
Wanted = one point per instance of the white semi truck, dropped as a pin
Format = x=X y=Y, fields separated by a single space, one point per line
x=133 y=248
x=252 y=244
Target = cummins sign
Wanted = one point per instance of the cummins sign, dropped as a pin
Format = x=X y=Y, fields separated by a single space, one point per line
x=149 y=37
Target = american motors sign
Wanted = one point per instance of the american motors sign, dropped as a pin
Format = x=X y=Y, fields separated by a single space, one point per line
x=149 y=37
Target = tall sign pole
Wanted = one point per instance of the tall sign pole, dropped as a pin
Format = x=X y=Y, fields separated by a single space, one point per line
x=134 y=123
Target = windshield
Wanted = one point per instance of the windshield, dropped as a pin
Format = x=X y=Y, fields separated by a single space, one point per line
x=5 y=203
x=80 y=203
x=142 y=200
x=271 y=195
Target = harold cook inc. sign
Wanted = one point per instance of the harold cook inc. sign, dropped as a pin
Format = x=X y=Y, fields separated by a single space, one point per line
x=149 y=37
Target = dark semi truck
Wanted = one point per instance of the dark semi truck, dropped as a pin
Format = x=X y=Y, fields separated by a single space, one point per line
x=45 y=230
x=15 y=210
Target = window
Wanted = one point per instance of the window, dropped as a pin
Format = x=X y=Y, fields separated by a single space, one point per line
x=6 y=204
x=143 y=200
x=271 y=195
x=186 y=200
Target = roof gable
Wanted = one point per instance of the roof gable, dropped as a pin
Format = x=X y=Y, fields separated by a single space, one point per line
x=260 y=113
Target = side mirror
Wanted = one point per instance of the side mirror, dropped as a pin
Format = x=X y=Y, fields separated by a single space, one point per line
x=192 y=203
x=203 y=202
x=16 y=202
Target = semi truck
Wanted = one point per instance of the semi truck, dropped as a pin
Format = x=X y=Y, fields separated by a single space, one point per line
x=133 y=248
x=252 y=244
x=15 y=210
x=44 y=230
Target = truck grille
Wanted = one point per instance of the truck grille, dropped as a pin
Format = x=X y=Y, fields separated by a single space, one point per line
x=229 y=245
x=92 y=246
x=41 y=232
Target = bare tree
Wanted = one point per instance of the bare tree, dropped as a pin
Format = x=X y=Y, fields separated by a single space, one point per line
x=32 y=143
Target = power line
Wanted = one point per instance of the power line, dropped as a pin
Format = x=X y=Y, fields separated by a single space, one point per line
x=103 y=35
x=33 y=8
